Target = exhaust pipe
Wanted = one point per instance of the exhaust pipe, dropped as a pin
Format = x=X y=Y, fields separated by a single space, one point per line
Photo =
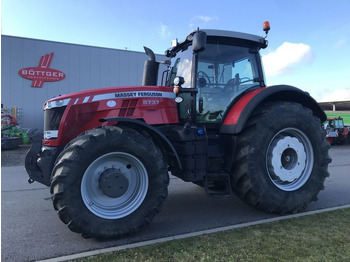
x=150 y=70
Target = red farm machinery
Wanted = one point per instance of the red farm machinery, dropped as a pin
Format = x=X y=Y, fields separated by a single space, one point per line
x=337 y=132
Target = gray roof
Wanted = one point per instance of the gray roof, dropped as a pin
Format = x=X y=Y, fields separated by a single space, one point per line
x=233 y=34
x=218 y=33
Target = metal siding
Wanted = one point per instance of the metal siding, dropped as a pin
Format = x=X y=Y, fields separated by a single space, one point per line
x=84 y=74
x=95 y=68
x=85 y=68
x=105 y=67
x=5 y=71
x=115 y=69
x=123 y=69
x=74 y=70
x=132 y=69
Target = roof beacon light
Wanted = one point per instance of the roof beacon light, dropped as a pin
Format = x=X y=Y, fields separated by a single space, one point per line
x=266 y=27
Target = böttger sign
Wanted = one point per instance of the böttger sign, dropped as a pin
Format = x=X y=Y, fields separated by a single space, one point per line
x=42 y=73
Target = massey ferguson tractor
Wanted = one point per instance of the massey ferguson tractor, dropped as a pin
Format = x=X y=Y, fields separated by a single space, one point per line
x=107 y=153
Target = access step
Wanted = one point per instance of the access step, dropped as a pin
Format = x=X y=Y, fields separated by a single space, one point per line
x=218 y=185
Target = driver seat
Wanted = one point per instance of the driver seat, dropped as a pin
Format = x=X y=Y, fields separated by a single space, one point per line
x=202 y=82
x=232 y=85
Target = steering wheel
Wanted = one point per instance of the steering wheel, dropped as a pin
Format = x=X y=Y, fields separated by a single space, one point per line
x=203 y=75
x=244 y=80
x=234 y=83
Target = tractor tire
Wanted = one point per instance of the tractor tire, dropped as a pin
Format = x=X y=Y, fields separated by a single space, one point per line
x=281 y=158
x=109 y=182
x=340 y=139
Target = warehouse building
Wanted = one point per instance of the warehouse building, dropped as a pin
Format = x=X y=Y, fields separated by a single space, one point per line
x=335 y=106
x=33 y=71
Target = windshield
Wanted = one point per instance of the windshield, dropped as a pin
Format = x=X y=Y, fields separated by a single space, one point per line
x=220 y=66
x=181 y=65
x=337 y=123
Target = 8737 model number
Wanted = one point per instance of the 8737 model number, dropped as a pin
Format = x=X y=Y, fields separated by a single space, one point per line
x=150 y=102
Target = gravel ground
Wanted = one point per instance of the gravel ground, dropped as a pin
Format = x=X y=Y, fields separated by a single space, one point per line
x=14 y=157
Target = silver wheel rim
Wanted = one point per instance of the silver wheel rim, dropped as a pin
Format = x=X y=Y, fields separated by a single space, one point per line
x=289 y=159
x=132 y=173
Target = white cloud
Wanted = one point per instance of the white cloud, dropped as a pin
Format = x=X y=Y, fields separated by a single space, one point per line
x=342 y=94
x=164 y=31
x=284 y=59
x=340 y=43
x=201 y=20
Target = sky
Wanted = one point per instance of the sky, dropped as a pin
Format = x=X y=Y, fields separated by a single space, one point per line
x=309 y=40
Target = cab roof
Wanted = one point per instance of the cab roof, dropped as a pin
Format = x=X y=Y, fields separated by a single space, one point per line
x=224 y=34
x=233 y=34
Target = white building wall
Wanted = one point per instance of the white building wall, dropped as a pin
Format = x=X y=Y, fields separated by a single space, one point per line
x=85 y=67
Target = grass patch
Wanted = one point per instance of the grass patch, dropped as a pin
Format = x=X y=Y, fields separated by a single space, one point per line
x=320 y=237
x=345 y=116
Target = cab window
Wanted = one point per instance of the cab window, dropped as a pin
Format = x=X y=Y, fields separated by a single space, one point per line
x=224 y=72
x=181 y=65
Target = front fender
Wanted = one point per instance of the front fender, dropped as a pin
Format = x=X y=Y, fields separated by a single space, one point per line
x=237 y=116
x=158 y=137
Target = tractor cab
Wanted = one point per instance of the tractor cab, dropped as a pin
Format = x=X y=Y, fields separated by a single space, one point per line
x=336 y=123
x=212 y=68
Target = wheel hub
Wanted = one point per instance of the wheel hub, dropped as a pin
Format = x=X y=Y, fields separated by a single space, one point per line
x=113 y=183
x=288 y=159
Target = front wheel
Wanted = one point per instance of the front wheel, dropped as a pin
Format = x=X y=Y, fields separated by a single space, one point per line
x=281 y=159
x=109 y=182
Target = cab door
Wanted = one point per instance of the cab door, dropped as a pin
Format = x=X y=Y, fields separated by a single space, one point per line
x=223 y=73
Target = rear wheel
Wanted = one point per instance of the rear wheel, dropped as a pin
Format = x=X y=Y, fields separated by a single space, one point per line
x=109 y=182
x=341 y=139
x=281 y=159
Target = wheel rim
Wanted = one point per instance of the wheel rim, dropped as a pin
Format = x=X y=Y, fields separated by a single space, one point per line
x=289 y=159
x=114 y=185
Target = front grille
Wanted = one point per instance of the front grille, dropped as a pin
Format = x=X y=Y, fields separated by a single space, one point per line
x=52 y=118
x=128 y=107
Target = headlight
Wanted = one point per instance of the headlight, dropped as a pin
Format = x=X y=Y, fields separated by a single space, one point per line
x=50 y=134
x=56 y=103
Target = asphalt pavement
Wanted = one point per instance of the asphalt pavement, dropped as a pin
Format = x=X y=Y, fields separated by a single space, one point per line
x=31 y=229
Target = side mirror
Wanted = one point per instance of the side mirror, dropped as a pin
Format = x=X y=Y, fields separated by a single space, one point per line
x=199 y=41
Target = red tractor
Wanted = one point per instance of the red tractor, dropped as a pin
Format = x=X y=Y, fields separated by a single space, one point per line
x=337 y=132
x=107 y=153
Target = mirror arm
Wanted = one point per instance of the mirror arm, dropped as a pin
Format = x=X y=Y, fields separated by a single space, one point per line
x=200 y=106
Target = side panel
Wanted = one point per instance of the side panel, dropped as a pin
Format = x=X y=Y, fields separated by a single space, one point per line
x=236 y=118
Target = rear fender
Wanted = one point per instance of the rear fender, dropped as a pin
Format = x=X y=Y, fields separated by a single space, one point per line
x=237 y=116
x=158 y=137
